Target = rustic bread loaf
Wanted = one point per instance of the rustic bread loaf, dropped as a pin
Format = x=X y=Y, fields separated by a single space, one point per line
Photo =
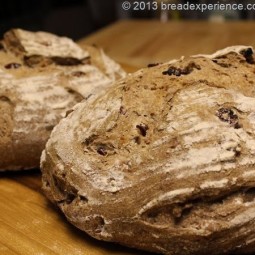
x=164 y=161
x=41 y=77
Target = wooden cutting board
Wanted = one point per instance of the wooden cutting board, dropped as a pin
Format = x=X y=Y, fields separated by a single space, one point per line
x=31 y=225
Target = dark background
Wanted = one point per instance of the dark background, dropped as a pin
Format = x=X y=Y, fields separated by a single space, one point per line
x=77 y=18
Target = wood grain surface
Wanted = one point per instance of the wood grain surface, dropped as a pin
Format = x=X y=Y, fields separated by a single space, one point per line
x=137 y=43
x=29 y=224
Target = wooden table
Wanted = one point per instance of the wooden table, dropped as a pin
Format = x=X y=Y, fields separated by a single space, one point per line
x=29 y=224
x=137 y=43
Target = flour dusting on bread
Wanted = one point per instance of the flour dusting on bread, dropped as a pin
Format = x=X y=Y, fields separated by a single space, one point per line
x=42 y=76
x=167 y=154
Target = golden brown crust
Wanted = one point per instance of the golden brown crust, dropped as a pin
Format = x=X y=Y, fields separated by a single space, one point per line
x=41 y=77
x=164 y=161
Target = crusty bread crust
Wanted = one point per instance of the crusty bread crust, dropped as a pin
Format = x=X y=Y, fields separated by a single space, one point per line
x=41 y=77
x=164 y=161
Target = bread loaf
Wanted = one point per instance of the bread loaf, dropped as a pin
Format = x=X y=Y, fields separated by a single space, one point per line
x=164 y=161
x=41 y=77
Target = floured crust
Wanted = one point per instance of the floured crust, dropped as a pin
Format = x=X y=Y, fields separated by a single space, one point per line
x=164 y=161
x=41 y=77
x=42 y=44
x=232 y=49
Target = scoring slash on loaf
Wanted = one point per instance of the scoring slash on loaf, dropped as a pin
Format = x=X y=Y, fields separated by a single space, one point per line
x=41 y=77
x=164 y=161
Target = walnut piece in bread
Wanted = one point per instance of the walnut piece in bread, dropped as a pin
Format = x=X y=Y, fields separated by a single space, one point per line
x=41 y=77
x=164 y=161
